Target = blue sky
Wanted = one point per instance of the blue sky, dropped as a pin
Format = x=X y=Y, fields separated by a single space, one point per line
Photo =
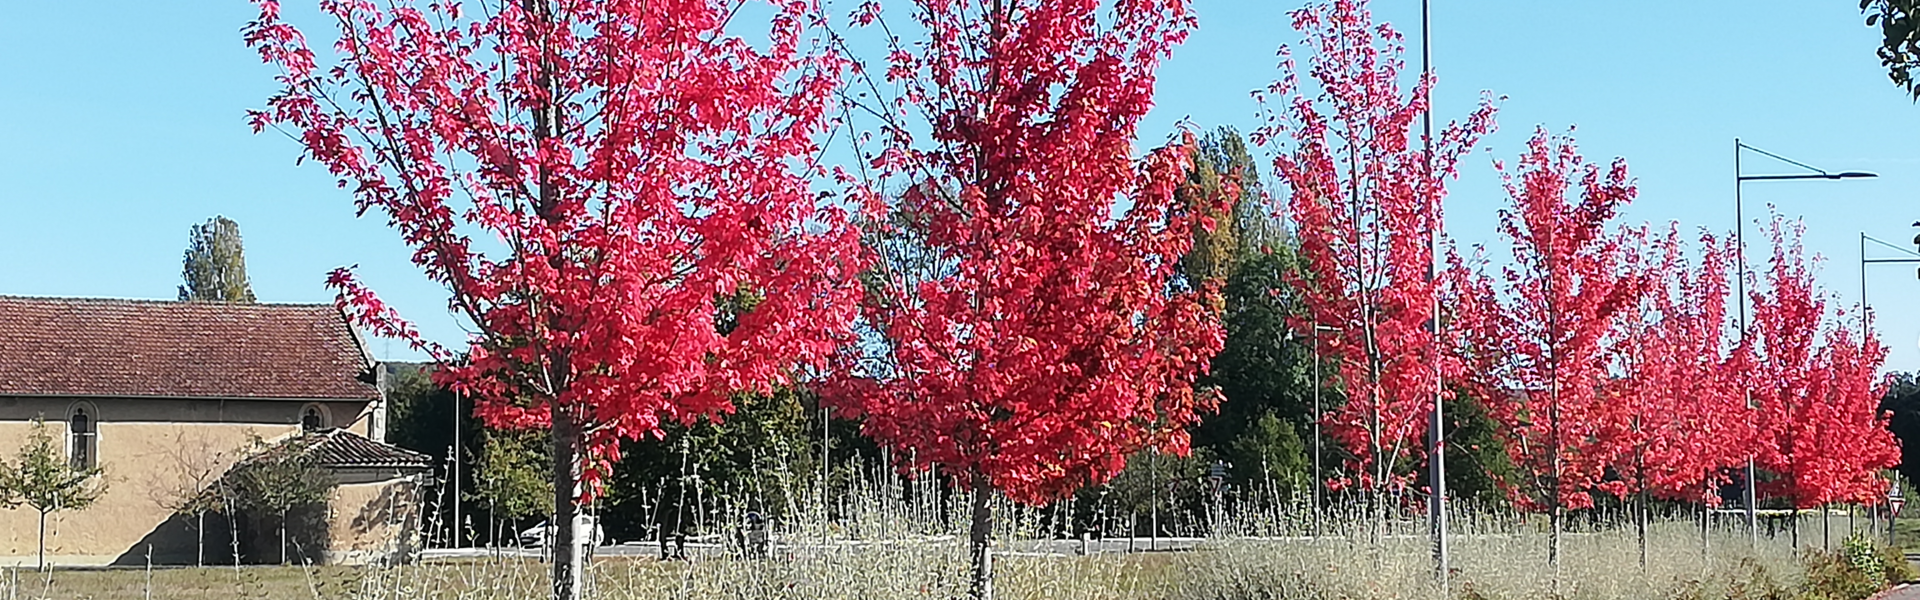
x=124 y=126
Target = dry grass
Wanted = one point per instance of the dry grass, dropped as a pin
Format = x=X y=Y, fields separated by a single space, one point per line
x=1511 y=565
x=884 y=548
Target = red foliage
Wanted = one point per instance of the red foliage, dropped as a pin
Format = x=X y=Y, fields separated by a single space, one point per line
x=598 y=184
x=1366 y=201
x=1544 y=344
x=1688 y=414
x=1047 y=340
x=1814 y=387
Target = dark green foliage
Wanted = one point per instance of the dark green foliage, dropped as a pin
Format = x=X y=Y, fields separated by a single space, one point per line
x=511 y=476
x=1262 y=372
x=1894 y=566
x=215 y=267
x=1270 y=457
x=764 y=457
x=421 y=417
x=282 y=484
x=1903 y=400
x=1175 y=485
x=1476 y=458
x=1899 y=49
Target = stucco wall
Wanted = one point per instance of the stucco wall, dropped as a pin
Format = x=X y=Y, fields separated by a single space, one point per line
x=148 y=449
x=374 y=517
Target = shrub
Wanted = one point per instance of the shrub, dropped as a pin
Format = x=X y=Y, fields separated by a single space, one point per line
x=1895 y=567
x=1856 y=572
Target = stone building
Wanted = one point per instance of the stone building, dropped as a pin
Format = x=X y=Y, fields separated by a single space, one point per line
x=166 y=397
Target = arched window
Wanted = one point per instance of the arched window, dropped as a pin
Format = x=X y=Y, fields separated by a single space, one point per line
x=82 y=427
x=314 y=417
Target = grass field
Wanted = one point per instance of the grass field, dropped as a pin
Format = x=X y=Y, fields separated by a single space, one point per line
x=1597 y=565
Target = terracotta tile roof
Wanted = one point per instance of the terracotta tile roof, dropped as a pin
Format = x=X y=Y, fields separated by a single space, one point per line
x=150 y=348
x=337 y=448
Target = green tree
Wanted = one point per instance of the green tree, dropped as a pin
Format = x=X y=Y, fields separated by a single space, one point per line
x=41 y=478
x=1269 y=455
x=761 y=458
x=1225 y=151
x=421 y=417
x=215 y=264
x=281 y=481
x=1261 y=372
x=511 y=477
x=1899 y=49
x=1216 y=241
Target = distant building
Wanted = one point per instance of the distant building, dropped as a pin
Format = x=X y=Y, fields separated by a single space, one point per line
x=157 y=391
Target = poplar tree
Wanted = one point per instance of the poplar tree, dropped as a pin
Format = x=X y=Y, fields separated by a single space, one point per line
x=215 y=266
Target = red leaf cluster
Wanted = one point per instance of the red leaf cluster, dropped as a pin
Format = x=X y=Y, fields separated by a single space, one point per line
x=599 y=185
x=1048 y=339
x=1813 y=387
x=1365 y=197
x=1544 y=341
x=1673 y=373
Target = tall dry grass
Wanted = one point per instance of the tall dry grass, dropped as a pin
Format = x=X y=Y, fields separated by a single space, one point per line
x=888 y=537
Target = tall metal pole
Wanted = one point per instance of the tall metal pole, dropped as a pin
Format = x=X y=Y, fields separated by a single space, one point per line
x=1436 y=446
x=1318 y=480
x=457 y=529
x=1865 y=315
x=1740 y=254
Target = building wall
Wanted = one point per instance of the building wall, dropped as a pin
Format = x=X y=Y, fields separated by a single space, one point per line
x=148 y=450
x=374 y=516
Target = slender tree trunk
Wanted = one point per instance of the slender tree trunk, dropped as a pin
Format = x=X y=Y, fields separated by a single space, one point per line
x=200 y=539
x=1640 y=524
x=1793 y=524
x=283 y=537
x=43 y=541
x=233 y=531
x=981 y=539
x=566 y=557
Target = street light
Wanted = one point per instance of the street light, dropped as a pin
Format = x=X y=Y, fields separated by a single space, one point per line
x=1740 y=252
x=1866 y=315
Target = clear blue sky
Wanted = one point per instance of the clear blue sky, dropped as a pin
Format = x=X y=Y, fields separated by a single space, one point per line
x=124 y=126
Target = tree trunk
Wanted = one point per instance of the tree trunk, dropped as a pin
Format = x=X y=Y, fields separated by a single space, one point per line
x=981 y=538
x=1554 y=520
x=283 y=537
x=200 y=539
x=1640 y=525
x=43 y=541
x=566 y=557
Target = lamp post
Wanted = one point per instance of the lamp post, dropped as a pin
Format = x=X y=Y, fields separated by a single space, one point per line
x=1319 y=479
x=1866 y=315
x=1436 y=454
x=1740 y=253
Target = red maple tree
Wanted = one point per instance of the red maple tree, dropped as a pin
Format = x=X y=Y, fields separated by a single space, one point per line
x=1045 y=336
x=1548 y=333
x=616 y=194
x=1814 y=388
x=1365 y=200
x=1687 y=423
x=1688 y=415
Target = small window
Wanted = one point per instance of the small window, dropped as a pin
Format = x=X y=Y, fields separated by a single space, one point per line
x=82 y=452
x=313 y=417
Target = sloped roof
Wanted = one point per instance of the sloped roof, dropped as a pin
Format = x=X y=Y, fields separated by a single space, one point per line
x=338 y=448
x=148 y=348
